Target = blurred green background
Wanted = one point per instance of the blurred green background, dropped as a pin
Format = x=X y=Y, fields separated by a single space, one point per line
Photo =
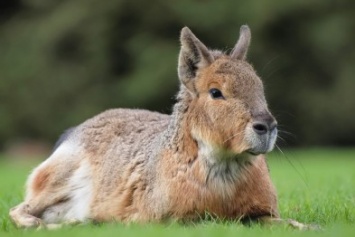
x=63 y=61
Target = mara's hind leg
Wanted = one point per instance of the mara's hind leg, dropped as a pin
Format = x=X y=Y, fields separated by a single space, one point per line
x=39 y=198
x=22 y=217
x=50 y=191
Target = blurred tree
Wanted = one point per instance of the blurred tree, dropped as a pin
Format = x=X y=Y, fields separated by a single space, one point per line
x=64 y=61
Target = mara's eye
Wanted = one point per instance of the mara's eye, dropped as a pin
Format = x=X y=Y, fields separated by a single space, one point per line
x=216 y=94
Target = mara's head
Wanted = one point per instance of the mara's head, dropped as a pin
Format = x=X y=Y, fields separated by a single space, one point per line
x=227 y=107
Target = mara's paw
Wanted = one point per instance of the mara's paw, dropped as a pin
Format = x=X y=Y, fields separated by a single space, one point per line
x=22 y=219
x=300 y=226
x=55 y=226
x=267 y=220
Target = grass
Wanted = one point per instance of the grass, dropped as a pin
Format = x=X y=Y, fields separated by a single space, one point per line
x=314 y=186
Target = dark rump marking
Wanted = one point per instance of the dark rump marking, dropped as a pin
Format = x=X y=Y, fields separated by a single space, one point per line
x=65 y=135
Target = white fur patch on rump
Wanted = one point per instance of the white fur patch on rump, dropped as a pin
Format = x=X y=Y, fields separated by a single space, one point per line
x=80 y=193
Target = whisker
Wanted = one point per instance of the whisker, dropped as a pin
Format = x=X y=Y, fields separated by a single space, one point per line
x=282 y=139
x=232 y=137
x=270 y=62
x=278 y=148
x=287 y=133
x=294 y=167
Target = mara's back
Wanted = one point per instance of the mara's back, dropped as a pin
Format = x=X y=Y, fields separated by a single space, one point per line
x=121 y=134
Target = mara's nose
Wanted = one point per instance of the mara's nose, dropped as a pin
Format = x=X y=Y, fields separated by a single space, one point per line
x=264 y=123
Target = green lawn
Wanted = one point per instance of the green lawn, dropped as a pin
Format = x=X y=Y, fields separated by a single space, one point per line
x=314 y=186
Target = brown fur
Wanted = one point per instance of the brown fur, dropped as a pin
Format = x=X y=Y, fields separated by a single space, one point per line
x=40 y=180
x=136 y=165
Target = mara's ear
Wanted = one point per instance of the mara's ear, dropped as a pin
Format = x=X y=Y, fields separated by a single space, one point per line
x=193 y=56
x=241 y=47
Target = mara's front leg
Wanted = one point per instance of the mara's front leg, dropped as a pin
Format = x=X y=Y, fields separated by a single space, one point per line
x=268 y=220
x=260 y=200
